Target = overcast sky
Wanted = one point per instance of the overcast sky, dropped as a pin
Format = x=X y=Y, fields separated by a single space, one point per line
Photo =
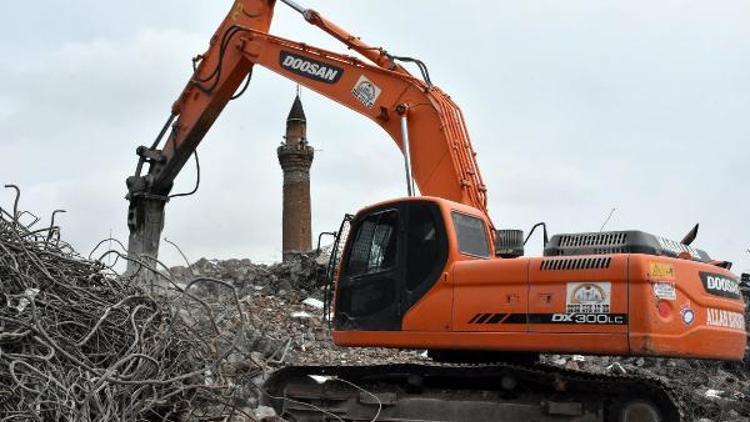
x=574 y=108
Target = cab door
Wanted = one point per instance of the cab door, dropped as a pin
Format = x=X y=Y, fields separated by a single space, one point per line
x=426 y=299
x=368 y=296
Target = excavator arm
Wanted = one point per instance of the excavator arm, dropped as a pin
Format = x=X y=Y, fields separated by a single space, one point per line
x=422 y=120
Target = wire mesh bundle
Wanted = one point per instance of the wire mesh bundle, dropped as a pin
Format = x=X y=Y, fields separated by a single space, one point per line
x=79 y=343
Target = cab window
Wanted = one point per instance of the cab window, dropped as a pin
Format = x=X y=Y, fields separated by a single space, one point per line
x=375 y=246
x=471 y=234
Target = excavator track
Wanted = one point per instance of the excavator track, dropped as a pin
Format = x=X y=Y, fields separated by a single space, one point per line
x=437 y=392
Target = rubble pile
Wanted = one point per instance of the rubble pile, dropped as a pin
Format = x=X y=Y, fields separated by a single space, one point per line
x=285 y=312
x=283 y=315
x=300 y=274
x=79 y=343
x=289 y=329
x=711 y=391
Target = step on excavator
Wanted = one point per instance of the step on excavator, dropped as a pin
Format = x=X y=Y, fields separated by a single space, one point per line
x=431 y=271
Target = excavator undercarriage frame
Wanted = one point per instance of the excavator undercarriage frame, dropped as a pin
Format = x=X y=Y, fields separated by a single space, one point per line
x=470 y=393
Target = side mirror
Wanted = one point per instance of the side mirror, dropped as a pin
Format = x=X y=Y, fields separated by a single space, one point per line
x=543 y=225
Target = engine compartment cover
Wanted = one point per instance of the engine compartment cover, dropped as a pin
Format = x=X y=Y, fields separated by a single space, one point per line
x=612 y=242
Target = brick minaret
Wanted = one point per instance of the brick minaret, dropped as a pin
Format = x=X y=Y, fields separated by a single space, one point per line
x=295 y=157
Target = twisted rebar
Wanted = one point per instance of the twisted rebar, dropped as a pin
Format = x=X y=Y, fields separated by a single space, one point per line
x=80 y=343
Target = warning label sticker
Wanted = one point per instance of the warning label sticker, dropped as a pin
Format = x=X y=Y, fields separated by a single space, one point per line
x=661 y=270
x=665 y=290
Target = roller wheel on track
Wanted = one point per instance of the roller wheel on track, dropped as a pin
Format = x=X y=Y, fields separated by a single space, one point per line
x=635 y=410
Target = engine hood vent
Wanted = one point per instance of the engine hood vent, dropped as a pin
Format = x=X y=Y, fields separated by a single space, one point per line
x=608 y=239
x=630 y=241
x=566 y=264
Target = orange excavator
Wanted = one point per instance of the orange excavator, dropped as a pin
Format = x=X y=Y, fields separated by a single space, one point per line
x=432 y=273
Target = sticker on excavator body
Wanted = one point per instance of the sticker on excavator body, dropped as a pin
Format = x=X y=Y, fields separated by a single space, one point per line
x=238 y=10
x=661 y=270
x=588 y=297
x=687 y=313
x=366 y=91
x=665 y=290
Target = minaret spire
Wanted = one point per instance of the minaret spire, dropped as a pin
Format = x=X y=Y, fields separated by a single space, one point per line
x=295 y=157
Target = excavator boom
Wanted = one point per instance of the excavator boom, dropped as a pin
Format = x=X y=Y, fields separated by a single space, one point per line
x=442 y=161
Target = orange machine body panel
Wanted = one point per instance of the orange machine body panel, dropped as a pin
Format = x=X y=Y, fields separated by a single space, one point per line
x=618 y=304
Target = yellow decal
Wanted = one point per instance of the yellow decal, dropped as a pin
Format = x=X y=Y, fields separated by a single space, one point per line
x=661 y=270
x=238 y=9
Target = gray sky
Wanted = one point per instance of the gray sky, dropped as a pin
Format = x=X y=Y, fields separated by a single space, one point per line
x=574 y=108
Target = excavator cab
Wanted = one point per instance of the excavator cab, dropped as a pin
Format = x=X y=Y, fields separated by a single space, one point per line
x=397 y=252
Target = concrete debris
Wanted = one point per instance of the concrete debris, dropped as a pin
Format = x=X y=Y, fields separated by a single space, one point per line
x=617 y=369
x=301 y=315
x=561 y=361
x=299 y=274
x=293 y=314
x=313 y=303
x=264 y=412
x=322 y=257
